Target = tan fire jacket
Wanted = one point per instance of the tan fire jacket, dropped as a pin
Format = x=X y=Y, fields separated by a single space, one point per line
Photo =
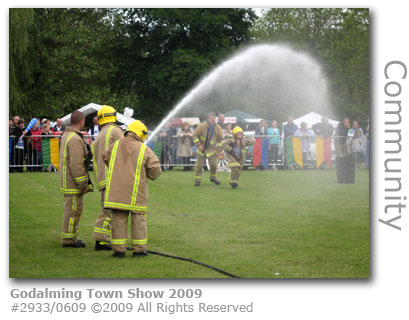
x=131 y=163
x=237 y=160
x=73 y=175
x=108 y=135
x=213 y=143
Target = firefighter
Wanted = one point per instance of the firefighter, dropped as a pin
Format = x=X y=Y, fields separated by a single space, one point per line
x=109 y=133
x=74 y=179
x=130 y=164
x=208 y=138
x=235 y=148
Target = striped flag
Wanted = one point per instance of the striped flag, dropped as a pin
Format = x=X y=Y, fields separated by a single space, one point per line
x=260 y=152
x=156 y=147
x=293 y=151
x=323 y=146
x=51 y=152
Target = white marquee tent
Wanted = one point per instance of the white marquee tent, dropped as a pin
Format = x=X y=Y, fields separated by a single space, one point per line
x=91 y=108
x=311 y=119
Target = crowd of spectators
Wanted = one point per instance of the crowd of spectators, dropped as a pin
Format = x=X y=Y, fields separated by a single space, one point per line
x=178 y=147
x=30 y=152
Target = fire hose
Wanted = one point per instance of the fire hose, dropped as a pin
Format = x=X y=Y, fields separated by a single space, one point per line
x=195 y=262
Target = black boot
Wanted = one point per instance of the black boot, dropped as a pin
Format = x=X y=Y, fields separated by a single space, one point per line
x=234 y=185
x=100 y=247
x=78 y=244
x=118 y=254
x=215 y=181
x=197 y=183
x=140 y=254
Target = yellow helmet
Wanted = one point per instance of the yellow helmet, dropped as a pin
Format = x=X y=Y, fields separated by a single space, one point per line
x=139 y=129
x=106 y=114
x=237 y=130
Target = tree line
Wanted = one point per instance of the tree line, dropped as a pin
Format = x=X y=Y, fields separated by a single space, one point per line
x=147 y=59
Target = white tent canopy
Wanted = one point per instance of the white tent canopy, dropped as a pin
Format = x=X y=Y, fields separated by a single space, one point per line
x=313 y=118
x=94 y=108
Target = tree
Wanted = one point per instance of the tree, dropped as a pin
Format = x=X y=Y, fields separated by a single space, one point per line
x=23 y=60
x=76 y=62
x=168 y=50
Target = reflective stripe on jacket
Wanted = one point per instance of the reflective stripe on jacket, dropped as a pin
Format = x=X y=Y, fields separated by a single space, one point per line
x=199 y=138
x=106 y=137
x=131 y=163
x=73 y=175
x=233 y=159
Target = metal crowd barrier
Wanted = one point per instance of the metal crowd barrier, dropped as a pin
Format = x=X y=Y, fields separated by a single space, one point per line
x=276 y=154
x=28 y=154
x=37 y=153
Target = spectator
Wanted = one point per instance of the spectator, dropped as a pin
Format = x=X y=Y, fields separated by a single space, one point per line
x=227 y=131
x=166 y=136
x=220 y=120
x=261 y=130
x=11 y=125
x=35 y=155
x=184 y=148
x=367 y=152
x=323 y=128
x=355 y=126
x=46 y=131
x=15 y=121
x=59 y=128
x=289 y=128
x=17 y=155
x=305 y=134
x=274 y=141
x=43 y=123
x=94 y=129
x=340 y=139
x=345 y=162
x=357 y=145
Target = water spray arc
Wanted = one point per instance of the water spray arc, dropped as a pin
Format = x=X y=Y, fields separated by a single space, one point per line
x=263 y=79
x=268 y=79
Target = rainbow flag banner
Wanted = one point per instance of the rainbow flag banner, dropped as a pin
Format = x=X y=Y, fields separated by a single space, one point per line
x=323 y=146
x=293 y=151
x=51 y=152
x=260 y=153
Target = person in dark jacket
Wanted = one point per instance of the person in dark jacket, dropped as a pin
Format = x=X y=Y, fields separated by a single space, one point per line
x=261 y=129
x=17 y=155
x=323 y=128
x=289 y=128
x=59 y=128
x=345 y=162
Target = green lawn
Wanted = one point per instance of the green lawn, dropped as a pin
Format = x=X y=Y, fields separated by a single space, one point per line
x=299 y=224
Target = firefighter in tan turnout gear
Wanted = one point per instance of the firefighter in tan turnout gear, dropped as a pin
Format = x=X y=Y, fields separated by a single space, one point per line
x=235 y=148
x=130 y=163
x=109 y=133
x=208 y=137
x=74 y=179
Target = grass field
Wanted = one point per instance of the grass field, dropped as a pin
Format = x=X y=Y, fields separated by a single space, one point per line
x=299 y=224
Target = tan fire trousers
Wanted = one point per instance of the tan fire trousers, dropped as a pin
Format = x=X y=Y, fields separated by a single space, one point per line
x=73 y=206
x=102 y=227
x=139 y=237
x=235 y=174
x=200 y=162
